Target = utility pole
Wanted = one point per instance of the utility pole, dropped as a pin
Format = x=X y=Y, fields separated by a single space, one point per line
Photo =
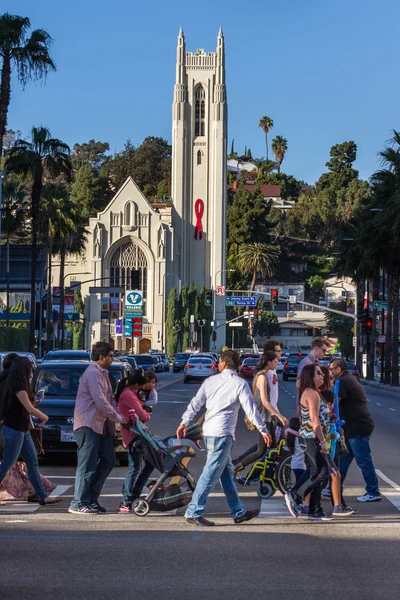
x=201 y=323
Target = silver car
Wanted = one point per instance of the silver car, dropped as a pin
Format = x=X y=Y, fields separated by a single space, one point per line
x=199 y=367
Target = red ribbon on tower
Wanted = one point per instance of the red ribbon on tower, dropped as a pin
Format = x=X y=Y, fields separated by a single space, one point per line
x=199 y=211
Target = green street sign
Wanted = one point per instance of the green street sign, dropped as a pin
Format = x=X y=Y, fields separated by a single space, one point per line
x=380 y=304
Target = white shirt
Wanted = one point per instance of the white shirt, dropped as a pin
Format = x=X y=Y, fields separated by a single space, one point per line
x=222 y=396
x=273 y=388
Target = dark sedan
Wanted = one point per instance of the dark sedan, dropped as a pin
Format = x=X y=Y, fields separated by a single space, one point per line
x=60 y=383
x=67 y=355
x=291 y=365
x=180 y=361
x=146 y=362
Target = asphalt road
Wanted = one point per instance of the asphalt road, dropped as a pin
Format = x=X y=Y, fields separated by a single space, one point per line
x=48 y=553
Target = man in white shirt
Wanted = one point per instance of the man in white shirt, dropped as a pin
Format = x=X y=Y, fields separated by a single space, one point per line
x=222 y=396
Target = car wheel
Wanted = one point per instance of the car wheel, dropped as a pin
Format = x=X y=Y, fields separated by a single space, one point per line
x=185 y=381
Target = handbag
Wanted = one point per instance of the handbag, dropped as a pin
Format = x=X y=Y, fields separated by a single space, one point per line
x=341 y=447
x=37 y=438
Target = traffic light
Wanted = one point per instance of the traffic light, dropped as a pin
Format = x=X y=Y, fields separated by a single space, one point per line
x=214 y=336
x=208 y=298
x=366 y=322
x=274 y=296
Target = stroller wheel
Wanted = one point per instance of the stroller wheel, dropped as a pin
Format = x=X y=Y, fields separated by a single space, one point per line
x=141 y=507
x=265 y=490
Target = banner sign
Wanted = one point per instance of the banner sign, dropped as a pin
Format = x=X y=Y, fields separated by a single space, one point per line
x=241 y=301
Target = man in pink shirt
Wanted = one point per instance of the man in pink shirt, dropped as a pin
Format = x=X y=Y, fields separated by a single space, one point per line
x=94 y=426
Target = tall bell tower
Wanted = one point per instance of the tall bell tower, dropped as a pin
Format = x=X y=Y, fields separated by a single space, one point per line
x=199 y=184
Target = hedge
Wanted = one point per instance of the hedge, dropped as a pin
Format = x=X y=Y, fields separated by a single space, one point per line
x=14 y=338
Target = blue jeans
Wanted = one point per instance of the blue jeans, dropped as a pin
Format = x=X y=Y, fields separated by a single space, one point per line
x=136 y=476
x=96 y=460
x=218 y=466
x=359 y=449
x=18 y=443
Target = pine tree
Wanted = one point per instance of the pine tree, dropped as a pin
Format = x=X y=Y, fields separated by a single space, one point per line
x=184 y=314
x=89 y=192
x=206 y=313
x=172 y=324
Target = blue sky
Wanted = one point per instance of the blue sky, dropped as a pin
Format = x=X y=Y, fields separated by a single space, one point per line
x=326 y=72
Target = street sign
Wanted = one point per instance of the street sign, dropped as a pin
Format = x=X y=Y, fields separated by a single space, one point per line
x=105 y=308
x=72 y=316
x=236 y=324
x=354 y=342
x=118 y=327
x=382 y=339
x=380 y=304
x=114 y=308
x=133 y=300
x=292 y=299
x=220 y=290
x=241 y=301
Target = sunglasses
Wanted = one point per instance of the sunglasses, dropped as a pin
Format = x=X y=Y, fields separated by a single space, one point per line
x=318 y=373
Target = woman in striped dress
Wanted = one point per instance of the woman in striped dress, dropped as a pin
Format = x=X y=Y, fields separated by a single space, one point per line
x=312 y=441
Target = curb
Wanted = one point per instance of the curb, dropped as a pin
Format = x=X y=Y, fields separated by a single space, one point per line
x=382 y=387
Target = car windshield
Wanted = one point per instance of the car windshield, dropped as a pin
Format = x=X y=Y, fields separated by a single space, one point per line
x=182 y=356
x=116 y=374
x=250 y=361
x=59 y=381
x=67 y=356
x=144 y=360
x=201 y=359
x=131 y=361
x=351 y=367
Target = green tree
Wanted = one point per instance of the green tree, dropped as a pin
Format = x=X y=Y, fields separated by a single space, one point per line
x=268 y=325
x=232 y=154
x=121 y=166
x=205 y=313
x=184 y=312
x=91 y=153
x=27 y=54
x=279 y=148
x=257 y=258
x=163 y=189
x=341 y=327
x=172 y=324
x=266 y=123
x=89 y=191
x=316 y=284
x=41 y=157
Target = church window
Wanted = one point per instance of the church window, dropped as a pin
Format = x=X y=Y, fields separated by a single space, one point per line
x=200 y=111
x=199 y=157
x=127 y=263
x=128 y=214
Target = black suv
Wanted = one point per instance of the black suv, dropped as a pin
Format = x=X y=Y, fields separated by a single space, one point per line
x=292 y=364
x=180 y=361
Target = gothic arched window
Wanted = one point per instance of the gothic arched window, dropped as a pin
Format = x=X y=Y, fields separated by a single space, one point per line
x=128 y=214
x=127 y=263
x=200 y=112
x=199 y=157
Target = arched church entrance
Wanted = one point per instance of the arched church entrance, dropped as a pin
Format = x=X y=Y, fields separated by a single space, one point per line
x=144 y=345
x=128 y=269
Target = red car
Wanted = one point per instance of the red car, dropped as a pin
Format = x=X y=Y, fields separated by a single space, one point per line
x=248 y=368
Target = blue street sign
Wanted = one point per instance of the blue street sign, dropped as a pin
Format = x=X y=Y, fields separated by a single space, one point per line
x=134 y=313
x=72 y=316
x=241 y=301
x=118 y=327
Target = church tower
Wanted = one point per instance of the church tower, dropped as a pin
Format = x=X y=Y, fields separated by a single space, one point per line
x=199 y=184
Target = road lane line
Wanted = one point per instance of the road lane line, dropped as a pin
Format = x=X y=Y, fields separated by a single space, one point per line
x=393 y=497
x=393 y=409
x=378 y=404
x=273 y=509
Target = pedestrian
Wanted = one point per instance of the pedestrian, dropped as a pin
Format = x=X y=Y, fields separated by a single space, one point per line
x=94 y=426
x=262 y=394
x=319 y=347
x=138 y=472
x=358 y=427
x=312 y=441
x=16 y=409
x=148 y=393
x=272 y=375
x=222 y=395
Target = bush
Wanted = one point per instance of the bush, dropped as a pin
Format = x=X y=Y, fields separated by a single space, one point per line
x=14 y=338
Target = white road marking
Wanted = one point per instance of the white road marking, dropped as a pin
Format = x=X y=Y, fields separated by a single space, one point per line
x=378 y=404
x=16 y=521
x=393 y=497
x=173 y=401
x=274 y=509
x=59 y=490
x=393 y=409
x=28 y=507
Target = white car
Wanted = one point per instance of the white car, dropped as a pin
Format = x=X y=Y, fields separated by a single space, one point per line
x=281 y=363
x=199 y=367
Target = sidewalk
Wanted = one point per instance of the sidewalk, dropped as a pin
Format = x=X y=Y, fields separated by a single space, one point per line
x=382 y=386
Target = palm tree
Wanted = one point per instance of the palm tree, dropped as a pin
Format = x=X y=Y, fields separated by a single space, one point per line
x=42 y=157
x=279 y=147
x=254 y=258
x=266 y=123
x=264 y=167
x=55 y=220
x=29 y=56
x=13 y=216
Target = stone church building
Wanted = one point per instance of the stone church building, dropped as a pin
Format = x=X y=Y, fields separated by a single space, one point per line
x=137 y=245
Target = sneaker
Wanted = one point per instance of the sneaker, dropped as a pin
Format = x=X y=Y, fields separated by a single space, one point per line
x=125 y=508
x=98 y=507
x=291 y=505
x=303 y=512
x=320 y=516
x=247 y=516
x=369 y=498
x=342 y=511
x=83 y=510
x=326 y=493
x=49 y=500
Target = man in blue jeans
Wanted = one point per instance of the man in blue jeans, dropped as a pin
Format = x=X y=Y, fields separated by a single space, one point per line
x=222 y=396
x=358 y=427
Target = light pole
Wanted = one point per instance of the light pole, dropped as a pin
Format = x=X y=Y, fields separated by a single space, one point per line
x=62 y=302
x=215 y=295
x=201 y=323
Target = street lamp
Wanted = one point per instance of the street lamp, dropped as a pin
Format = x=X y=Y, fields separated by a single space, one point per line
x=62 y=301
x=201 y=323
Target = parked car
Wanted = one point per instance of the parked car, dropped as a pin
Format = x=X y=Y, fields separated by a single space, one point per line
x=159 y=363
x=248 y=355
x=291 y=365
x=180 y=361
x=130 y=360
x=60 y=383
x=199 y=367
x=164 y=360
x=147 y=362
x=248 y=368
x=66 y=355
x=29 y=355
x=353 y=370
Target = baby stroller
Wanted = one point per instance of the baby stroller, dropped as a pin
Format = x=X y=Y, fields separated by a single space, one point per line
x=270 y=472
x=166 y=455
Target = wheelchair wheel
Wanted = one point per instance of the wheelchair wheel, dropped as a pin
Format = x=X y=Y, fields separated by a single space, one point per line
x=141 y=507
x=284 y=478
x=265 y=490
